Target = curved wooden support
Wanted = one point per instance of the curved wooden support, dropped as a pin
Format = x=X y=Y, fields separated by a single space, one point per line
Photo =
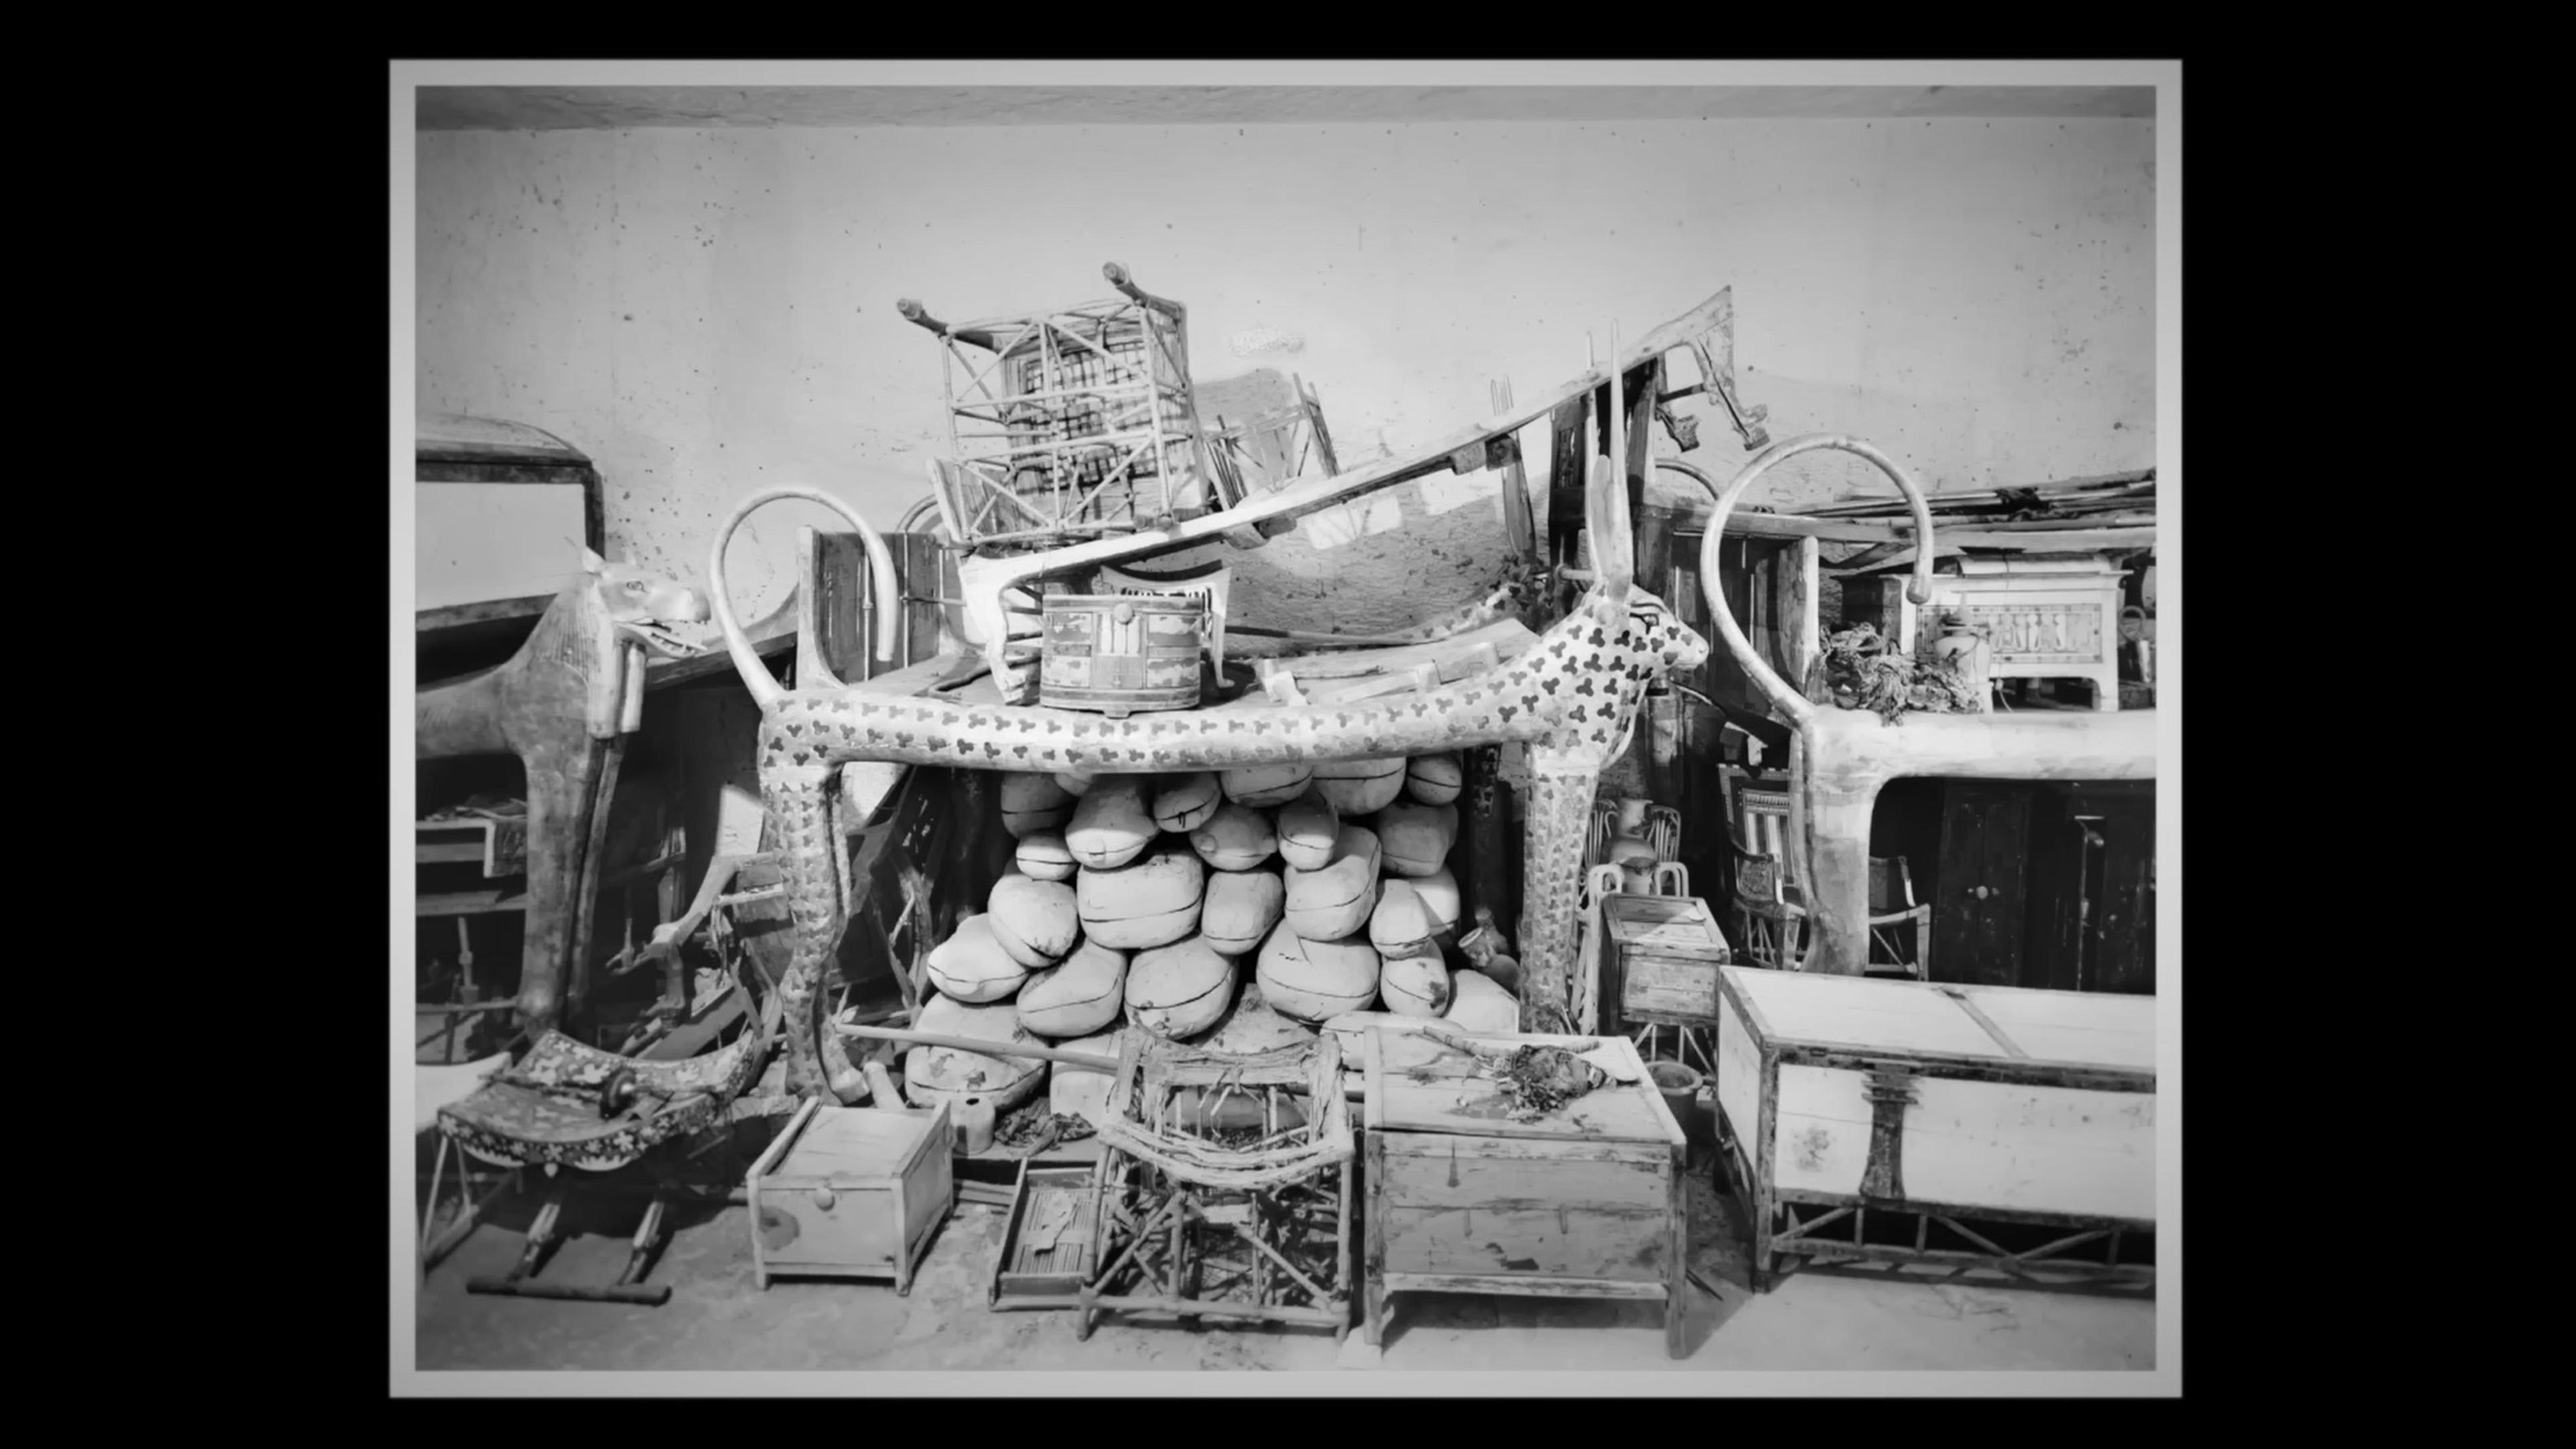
x=756 y=677
x=1821 y=824
x=1790 y=702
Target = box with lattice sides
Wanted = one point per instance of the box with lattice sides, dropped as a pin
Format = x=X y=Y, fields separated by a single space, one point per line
x=1662 y=960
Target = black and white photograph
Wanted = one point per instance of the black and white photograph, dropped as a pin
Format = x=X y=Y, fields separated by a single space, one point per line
x=1153 y=728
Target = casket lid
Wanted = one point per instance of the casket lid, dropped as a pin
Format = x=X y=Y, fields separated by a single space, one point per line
x=2083 y=1030
x=1417 y=1083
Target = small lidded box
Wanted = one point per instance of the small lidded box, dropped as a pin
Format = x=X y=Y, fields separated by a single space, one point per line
x=851 y=1192
x=1662 y=958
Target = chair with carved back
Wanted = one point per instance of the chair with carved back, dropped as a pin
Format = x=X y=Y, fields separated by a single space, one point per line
x=1768 y=900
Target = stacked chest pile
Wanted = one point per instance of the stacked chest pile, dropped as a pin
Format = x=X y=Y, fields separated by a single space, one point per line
x=1237 y=911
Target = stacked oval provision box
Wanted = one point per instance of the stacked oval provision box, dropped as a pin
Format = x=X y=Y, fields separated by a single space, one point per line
x=1236 y=911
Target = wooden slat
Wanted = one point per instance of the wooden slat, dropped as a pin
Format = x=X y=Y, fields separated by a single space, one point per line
x=486 y=611
x=1534 y=1285
x=2031 y=1146
x=692 y=1037
x=1888 y=1015
x=1985 y=1022
x=1794 y=610
x=1558 y=1241
x=2087 y=535
x=471 y=903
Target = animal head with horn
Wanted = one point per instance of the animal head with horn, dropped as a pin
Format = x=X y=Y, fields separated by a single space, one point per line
x=1634 y=634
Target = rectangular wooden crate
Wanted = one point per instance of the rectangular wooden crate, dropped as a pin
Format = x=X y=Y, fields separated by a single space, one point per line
x=1662 y=960
x=1056 y=1202
x=1974 y=1112
x=1587 y=1203
x=851 y=1192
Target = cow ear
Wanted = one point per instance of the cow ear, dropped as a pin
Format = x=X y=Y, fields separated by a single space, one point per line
x=592 y=561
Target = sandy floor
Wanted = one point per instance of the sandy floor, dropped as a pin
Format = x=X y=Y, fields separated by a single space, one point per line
x=716 y=1319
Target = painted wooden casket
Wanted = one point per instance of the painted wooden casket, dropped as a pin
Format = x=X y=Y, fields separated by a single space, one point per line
x=1115 y=654
x=1917 y=1129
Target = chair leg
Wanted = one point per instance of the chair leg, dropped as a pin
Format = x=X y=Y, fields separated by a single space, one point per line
x=648 y=1235
x=469 y=1209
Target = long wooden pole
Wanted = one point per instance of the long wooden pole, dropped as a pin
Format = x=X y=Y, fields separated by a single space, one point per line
x=1086 y=1061
x=1106 y=1066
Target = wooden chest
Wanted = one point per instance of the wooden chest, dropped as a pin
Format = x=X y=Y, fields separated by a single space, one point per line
x=1918 y=1129
x=1662 y=959
x=1585 y=1203
x=851 y=1192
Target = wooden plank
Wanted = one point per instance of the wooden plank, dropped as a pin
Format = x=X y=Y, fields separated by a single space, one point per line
x=1794 y=609
x=471 y=903
x=1508 y=638
x=1520 y=528
x=1375 y=1113
x=2114 y=1030
x=922 y=563
x=1739 y=1072
x=689 y=1038
x=1373 y=1237
x=2104 y=534
x=2057 y=491
x=1899 y=1016
x=1566 y=479
x=1676 y=1257
x=2032 y=1147
x=1441 y=1147
x=1554 y=1241
x=1530 y=1285
x=1470 y=1178
x=1608 y=1113
x=1636 y=439
x=923 y=677
x=863 y=1141
x=1821 y=1126
x=1761 y=583
x=1491 y=858
x=485 y=611
x=929 y=1186
x=1984 y=1022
